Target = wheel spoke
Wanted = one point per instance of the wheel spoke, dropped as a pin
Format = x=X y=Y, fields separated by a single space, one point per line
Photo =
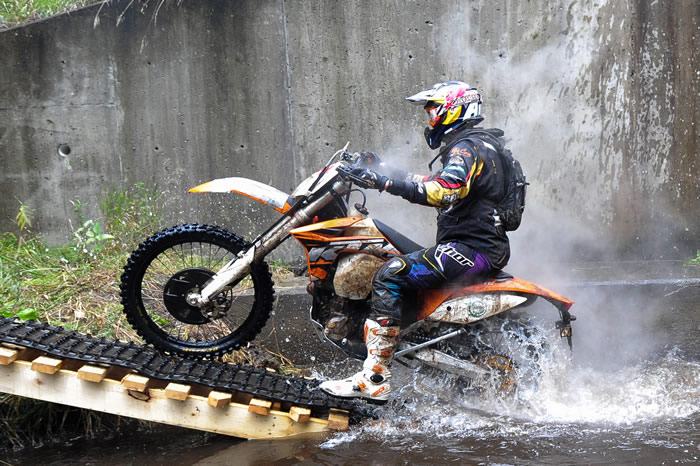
x=182 y=260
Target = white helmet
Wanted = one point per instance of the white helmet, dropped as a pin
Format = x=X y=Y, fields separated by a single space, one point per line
x=450 y=105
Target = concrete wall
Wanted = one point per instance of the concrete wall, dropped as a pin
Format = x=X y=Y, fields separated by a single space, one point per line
x=599 y=100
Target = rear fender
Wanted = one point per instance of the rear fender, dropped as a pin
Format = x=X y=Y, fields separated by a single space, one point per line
x=474 y=307
x=252 y=189
x=432 y=299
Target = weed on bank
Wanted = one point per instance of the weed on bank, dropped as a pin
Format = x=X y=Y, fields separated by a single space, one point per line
x=76 y=286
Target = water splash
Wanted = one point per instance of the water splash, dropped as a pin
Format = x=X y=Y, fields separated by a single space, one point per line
x=565 y=399
x=668 y=387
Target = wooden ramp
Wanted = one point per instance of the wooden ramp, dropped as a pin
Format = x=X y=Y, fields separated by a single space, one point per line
x=115 y=390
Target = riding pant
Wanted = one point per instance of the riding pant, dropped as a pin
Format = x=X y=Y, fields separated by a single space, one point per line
x=426 y=268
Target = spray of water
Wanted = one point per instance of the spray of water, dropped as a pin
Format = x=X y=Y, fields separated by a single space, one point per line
x=563 y=398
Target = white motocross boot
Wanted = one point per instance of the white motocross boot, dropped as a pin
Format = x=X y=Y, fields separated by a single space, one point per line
x=372 y=382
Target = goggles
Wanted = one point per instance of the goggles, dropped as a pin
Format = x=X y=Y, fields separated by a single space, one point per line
x=435 y=118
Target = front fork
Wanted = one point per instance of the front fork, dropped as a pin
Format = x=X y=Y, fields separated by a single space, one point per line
x=268 y=241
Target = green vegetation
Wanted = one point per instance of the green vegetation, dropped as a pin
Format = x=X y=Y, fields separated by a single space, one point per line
x=694 y=260
x=76 y=286
x=16 y=12
x=73 y=286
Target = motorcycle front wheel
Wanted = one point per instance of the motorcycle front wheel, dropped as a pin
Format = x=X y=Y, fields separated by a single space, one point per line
x=169 y=265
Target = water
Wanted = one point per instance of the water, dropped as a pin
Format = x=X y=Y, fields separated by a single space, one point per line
x=647 y=413
x=628 y=394
x=574 y=414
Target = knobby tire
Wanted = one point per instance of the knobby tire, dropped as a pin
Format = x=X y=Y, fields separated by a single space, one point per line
x=150 y=328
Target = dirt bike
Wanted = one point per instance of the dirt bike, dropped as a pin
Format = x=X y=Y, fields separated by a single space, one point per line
x=201 y=291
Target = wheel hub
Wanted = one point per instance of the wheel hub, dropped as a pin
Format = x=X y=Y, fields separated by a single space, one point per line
x=502 y=367
x=177 y=292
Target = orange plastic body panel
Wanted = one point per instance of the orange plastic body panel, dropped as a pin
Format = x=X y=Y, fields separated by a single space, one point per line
x=315 y=230
x=327 y=233
x=430 y=299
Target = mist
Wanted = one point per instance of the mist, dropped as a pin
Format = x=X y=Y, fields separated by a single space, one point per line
x=565 y=123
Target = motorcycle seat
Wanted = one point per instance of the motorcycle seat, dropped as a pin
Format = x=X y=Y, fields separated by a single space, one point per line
x=499 y=276
x=402 y=243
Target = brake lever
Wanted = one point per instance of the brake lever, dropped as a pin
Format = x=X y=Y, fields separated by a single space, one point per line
x=347 y=174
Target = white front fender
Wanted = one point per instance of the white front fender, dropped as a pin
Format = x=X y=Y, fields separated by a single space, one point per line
x=260 y=192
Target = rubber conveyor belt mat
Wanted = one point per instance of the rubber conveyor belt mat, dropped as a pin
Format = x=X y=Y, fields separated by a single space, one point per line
x=220 y=376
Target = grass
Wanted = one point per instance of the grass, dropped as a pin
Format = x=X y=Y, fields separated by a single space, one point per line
x=62 y=286
x=17 y=12
x=76 y=286
x=694 y=260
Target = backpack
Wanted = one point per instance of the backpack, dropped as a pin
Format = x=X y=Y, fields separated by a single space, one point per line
x=510 y=209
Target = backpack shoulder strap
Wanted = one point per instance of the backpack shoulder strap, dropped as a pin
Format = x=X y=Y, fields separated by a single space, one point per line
x=444 y=151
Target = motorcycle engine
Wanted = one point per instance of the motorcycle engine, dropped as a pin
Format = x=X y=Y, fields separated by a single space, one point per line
x=339 y=319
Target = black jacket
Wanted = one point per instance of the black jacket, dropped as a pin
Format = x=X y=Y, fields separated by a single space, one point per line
x=465 y=192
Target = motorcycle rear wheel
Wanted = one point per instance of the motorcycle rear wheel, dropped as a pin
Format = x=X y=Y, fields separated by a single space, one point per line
x=167 y=266
x=509 y=346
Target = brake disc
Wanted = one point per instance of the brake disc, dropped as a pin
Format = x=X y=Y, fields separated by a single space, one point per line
x=175 y=293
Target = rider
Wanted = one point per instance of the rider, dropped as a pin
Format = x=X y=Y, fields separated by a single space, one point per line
x=471 y=241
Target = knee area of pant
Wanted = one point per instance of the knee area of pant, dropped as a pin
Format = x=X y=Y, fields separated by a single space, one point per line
x=389 y=271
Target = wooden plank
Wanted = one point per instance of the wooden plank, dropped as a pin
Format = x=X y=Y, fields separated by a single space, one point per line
x=218 y=399
x=135 y=382
x=110 y=396
x=92 y=373
x=299 y=414
x=338 y=419
x=7 y=356
x=7 y=344
x=46 y=365
x=276 y=405
x=177 y=391
x=259 y=406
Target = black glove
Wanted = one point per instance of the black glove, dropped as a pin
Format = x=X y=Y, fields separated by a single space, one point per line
x=368 y=159
x=373 y=179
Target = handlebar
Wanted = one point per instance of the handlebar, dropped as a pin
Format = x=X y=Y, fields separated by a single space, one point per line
x=347 y=174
